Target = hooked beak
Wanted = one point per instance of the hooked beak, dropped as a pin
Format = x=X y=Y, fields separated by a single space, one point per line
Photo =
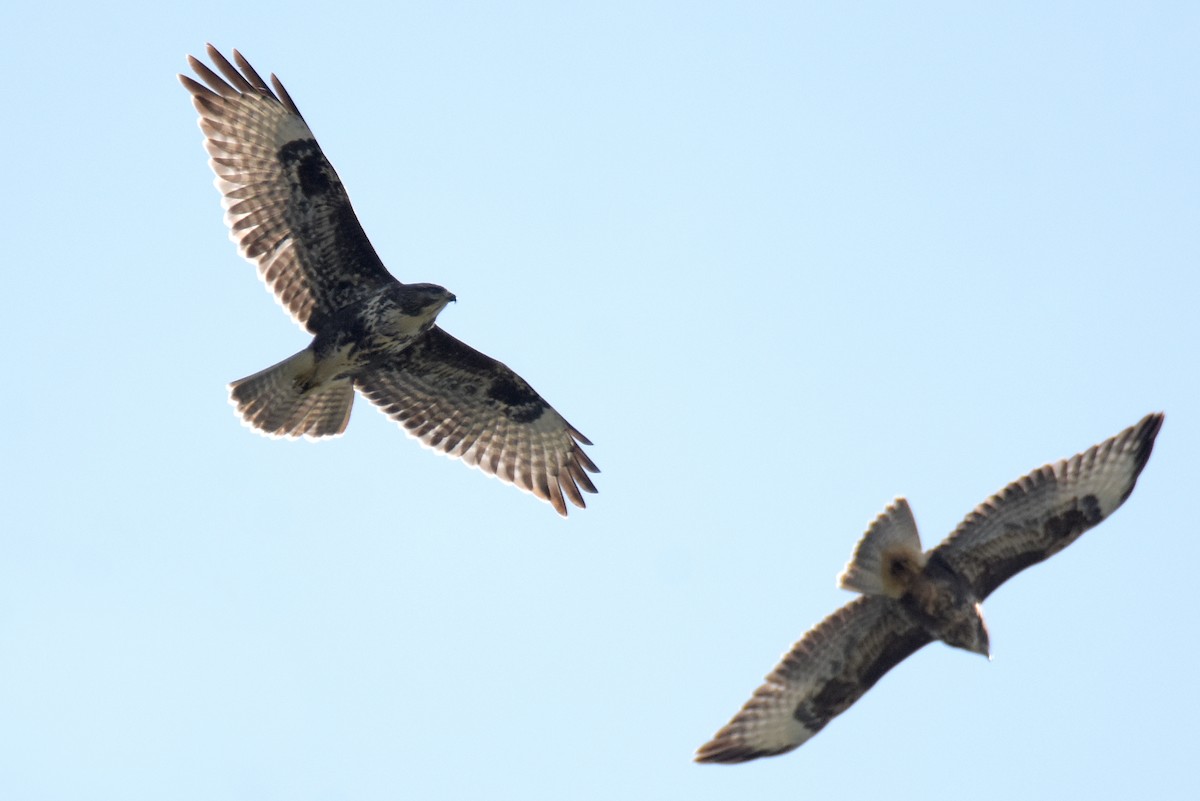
x=984 y=644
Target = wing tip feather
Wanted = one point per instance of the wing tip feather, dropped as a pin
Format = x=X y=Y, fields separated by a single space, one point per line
x=723 y=749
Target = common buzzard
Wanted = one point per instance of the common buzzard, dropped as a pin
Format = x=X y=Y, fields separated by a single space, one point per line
x=289 y=214
x=910 y=598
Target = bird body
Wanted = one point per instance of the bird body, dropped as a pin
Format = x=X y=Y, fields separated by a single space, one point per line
x=942 y=604
x=312 y=392
x=910 y=598
x=289 y=214
x=889 y=562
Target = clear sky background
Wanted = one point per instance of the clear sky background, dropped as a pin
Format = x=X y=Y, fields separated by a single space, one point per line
x=782 y=263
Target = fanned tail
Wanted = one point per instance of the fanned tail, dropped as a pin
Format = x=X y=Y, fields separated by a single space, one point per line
x=285 y=401
x=888 y=556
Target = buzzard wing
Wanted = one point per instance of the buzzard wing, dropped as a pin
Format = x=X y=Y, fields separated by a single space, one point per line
x=471 y=407
x=1037 y=516
x=284 y=204
x=827 y=671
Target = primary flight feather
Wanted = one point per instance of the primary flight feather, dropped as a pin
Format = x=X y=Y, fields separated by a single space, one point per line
x=289 y=214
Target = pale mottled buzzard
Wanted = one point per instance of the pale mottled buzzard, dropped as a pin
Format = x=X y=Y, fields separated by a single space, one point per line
x=289 y=214
x=911 y=597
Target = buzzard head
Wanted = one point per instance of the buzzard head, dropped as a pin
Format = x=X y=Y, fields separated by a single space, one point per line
x=424 y=300
x=404 y=311
x=969 y=632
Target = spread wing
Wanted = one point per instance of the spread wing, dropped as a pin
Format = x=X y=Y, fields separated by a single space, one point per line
x=284 y=204
x=827 y=671
x=471 y=407
x=1037 y=516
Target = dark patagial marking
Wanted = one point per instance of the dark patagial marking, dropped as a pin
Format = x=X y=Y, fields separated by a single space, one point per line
x=895 y=652
x=350 y=242
x=1058 y=532
x=305 y=157
x=1010 y=566
x=443 y=347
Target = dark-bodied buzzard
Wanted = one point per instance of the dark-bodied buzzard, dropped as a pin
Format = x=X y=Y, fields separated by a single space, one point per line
x=289 y=214
x=910 y=598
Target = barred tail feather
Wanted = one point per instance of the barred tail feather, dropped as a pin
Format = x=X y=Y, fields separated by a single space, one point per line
x=888 y=556
x=284 y=401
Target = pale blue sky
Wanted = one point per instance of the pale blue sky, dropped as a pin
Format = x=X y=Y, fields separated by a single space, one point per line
x=780 y=262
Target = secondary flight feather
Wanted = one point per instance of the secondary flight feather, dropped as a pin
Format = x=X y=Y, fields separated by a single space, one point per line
x=911 y=598
x=289 y=214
